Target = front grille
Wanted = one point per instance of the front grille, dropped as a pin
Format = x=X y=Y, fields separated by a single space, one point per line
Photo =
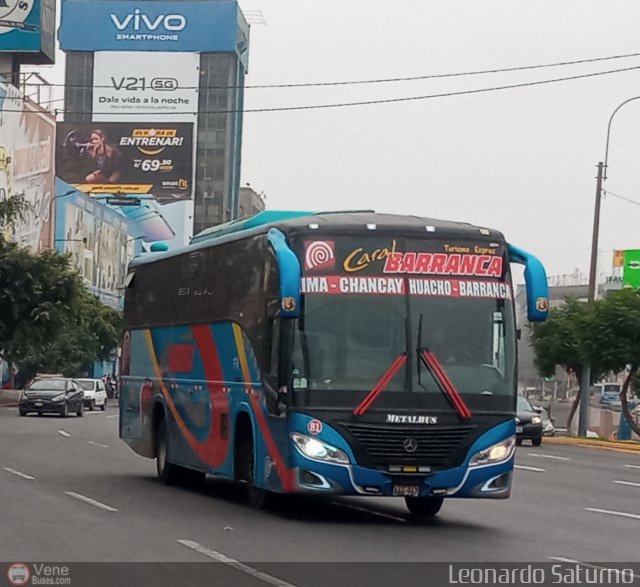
x=434 y=446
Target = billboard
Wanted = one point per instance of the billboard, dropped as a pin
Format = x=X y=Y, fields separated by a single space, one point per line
x=27 y=142
x=141 y=87
x=96 y=238
x=152 y=221
x=631 y=270
x=618 y=259
x=127 y=158
x=199 y=27
x=27 y=26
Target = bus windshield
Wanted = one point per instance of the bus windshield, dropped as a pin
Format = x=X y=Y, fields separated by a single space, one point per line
x=351 y=342
x=345 y=343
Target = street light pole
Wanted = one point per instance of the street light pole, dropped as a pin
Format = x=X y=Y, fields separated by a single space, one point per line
x=585 y=375
x=585 y=379
x=596 y=231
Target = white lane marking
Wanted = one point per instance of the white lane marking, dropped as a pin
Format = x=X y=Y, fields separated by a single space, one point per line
x=92 y=413
x=367 y=511
x=18 y=473
x=629 y=483
x=97 y=444
x=221 y=558
x=614 y=513
x=534 y=469
x=114 y=416
x=553 y=457
x=562 y=559
x=63 y=433
x=632 y=466
x=90 y=501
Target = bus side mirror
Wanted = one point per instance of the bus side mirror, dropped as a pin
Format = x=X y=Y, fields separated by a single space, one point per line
x=519 y=333
x=535 y=282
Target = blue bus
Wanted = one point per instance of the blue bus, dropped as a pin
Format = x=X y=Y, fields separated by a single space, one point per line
x=344 y=353
x=607 y=394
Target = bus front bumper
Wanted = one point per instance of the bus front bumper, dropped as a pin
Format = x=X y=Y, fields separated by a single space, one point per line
x=487 y=481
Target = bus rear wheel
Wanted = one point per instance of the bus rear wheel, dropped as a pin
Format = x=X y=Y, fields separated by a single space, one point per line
x=167 y=472
x=425 y=507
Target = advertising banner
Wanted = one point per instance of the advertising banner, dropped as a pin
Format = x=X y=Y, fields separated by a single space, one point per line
x=96 y=238
x=199 y=27
x=399 y=267
x=631 y=271
x=618 y=259
x=27 y=142
x=27 y=26
x=127 y=158
x=142 y=86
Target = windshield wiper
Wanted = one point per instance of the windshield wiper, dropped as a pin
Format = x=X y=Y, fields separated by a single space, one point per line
x=379 y=387
x=436 y=369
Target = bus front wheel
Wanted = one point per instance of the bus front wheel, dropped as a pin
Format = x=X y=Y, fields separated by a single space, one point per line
x=424 y=506
x=245 y=468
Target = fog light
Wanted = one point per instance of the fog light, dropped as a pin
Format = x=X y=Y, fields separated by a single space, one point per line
x=310 y=479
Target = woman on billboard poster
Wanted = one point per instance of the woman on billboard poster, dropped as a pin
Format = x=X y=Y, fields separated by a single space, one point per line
x=106 y=158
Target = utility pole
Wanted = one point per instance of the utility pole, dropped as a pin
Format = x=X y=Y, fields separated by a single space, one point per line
x=596 y=231
x=585 y=379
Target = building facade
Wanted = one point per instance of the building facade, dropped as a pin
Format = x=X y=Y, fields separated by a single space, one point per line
x=250 y=202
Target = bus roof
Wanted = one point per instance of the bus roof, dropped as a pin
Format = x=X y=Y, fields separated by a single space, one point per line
x=345 y=222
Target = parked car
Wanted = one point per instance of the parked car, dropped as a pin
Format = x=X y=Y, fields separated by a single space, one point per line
x=95 y=393
x=59 y=395
x=528 y=423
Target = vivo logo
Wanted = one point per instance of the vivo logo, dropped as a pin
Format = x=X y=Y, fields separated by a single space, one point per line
x=140 y=21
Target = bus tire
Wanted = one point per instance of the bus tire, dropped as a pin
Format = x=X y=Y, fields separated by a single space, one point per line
x=245 y=468
x=166 y=471
x=424 y=507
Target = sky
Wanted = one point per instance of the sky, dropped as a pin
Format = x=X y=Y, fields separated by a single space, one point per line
x=519 y=160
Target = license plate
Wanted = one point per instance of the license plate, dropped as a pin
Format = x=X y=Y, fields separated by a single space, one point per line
x=518 y=429
x=406 y=490
x=38 y=404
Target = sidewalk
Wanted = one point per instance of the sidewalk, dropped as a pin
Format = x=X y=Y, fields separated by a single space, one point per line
x=626 y=446
x=9 y=397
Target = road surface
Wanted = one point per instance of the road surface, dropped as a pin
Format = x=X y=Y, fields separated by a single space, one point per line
x=70 y=490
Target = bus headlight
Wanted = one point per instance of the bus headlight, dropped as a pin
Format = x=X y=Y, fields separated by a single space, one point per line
x=320 y=451
x=496 y=453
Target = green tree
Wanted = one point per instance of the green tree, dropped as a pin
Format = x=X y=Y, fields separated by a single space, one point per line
x=614 y=339
x=91 y=332
x=561 y=341
x=38 y=292
x=49 y=321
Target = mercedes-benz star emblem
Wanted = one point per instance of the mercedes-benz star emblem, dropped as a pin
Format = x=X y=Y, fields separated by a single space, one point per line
x=410 y=445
